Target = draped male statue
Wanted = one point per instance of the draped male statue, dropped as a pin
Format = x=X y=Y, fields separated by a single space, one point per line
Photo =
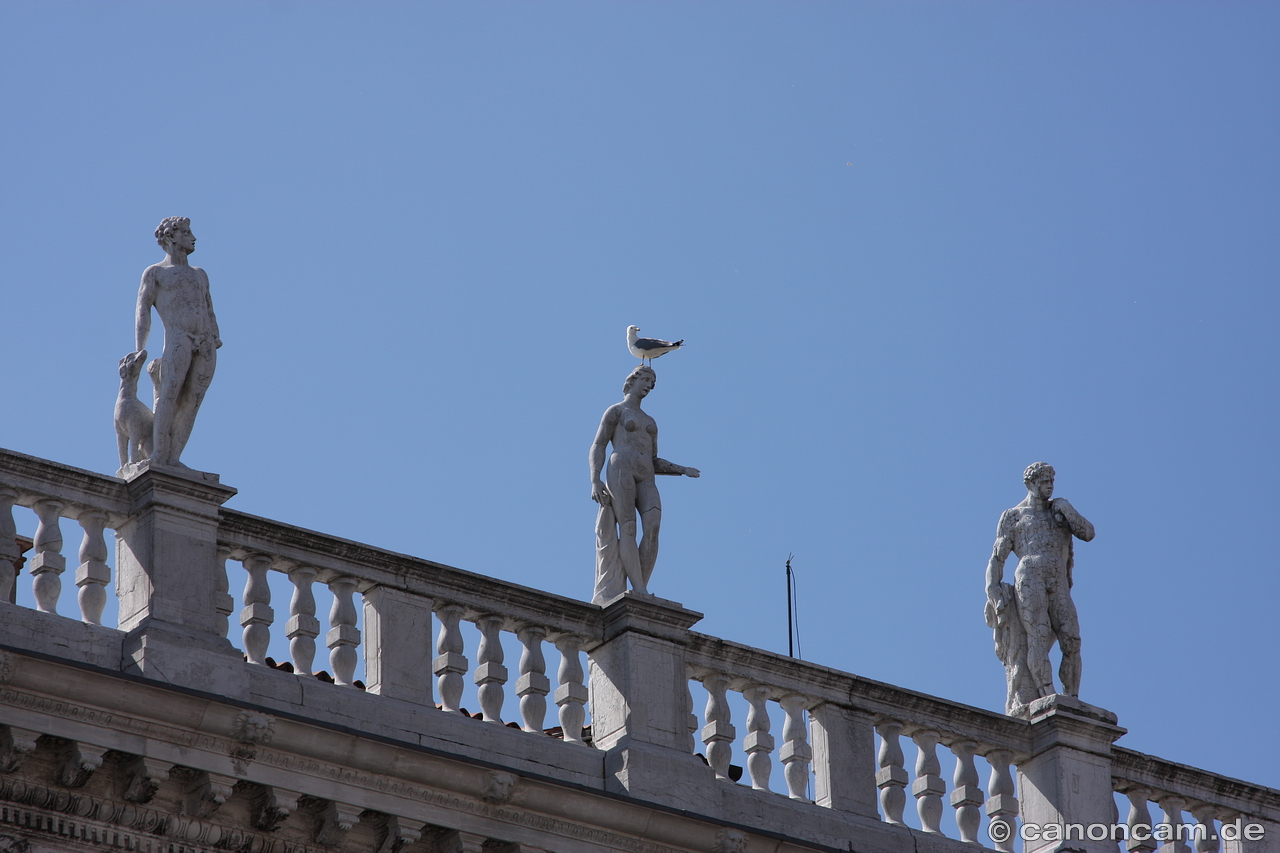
x=1036 y=610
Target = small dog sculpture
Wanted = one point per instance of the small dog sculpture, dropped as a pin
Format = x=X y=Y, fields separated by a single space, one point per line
x=134 y=434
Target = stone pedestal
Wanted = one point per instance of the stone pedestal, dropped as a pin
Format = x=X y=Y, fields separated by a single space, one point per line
x=166 y=579
x=1067 y=780
x=639 y=703
x=397 y=636
x=844 y=759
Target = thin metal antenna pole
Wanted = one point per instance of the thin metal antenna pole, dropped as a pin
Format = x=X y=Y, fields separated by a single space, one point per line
x=790 y=642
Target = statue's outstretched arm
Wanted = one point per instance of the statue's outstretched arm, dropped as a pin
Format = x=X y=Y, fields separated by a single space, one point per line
x=146 y=299
x=662 y=466
x=1079 y=525
x=999 y=554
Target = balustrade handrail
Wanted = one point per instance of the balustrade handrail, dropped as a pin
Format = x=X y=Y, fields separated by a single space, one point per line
x=747 y=665
x=1132 y=768
x=245 y=534
x=36 y=479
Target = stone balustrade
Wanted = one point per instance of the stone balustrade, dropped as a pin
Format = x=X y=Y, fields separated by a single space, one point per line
x=828 y=740
x=398 y=595
x=55 y=493
x=1181 y=809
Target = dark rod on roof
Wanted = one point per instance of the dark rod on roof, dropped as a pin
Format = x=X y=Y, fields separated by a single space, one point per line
x=791 y=652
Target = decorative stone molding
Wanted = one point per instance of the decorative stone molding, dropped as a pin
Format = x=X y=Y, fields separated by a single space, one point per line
x=272 y=807
x=15 y=745
x=254 y=728
x=143 y=777
x=729 y=841
x=205 y=793
x=250 y=729
x=398 y=833
x=457 y=841
x=336 y=820
x=499 y=787
x=14 y=844
x=8 y=667
x=80 y=760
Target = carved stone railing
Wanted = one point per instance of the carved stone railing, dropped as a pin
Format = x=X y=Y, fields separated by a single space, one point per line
x=55 y=493
x=399 y=593
x=1225 y=814
x=831 y=719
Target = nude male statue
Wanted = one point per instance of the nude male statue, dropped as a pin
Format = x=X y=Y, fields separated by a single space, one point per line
x=180 y=294
x=631 y=489
x=1037 y=609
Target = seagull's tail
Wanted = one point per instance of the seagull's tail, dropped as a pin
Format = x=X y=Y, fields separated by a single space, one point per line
x=679 y=343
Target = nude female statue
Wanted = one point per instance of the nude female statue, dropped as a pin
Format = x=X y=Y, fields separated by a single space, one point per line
x=630 y=490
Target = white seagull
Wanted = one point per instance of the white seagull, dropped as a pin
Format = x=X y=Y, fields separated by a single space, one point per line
x=647 y=349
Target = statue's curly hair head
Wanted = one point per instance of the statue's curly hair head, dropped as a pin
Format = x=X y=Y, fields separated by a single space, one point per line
x=642 y=370
x=1035 y=471
x=165 y=229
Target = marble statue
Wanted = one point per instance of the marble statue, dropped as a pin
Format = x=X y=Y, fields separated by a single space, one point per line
x=180 y=294
x=1036 y=610
x=628 y=489
x=133 y=418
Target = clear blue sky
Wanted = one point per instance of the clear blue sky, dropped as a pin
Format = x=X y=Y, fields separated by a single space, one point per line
x=913 y=247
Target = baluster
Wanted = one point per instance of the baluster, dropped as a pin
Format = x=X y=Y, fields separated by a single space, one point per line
x=571 y=695
x=1206 y=832
x=686 y=705
x=718 y=733
x=223 y=604
x=1139 y=821
x=928 y=787
x=257 y=615
x=1172 y=807
x=343 y=635
x=891 y=778
x=48 y=563
x=796 y=752
x=490 y=673
x=966 y=796
x=449 y=664
x=303 y=627
x=93 y=575
x=1002 y=807
x=9 y=550
x=533 y=685
x=759 y=743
